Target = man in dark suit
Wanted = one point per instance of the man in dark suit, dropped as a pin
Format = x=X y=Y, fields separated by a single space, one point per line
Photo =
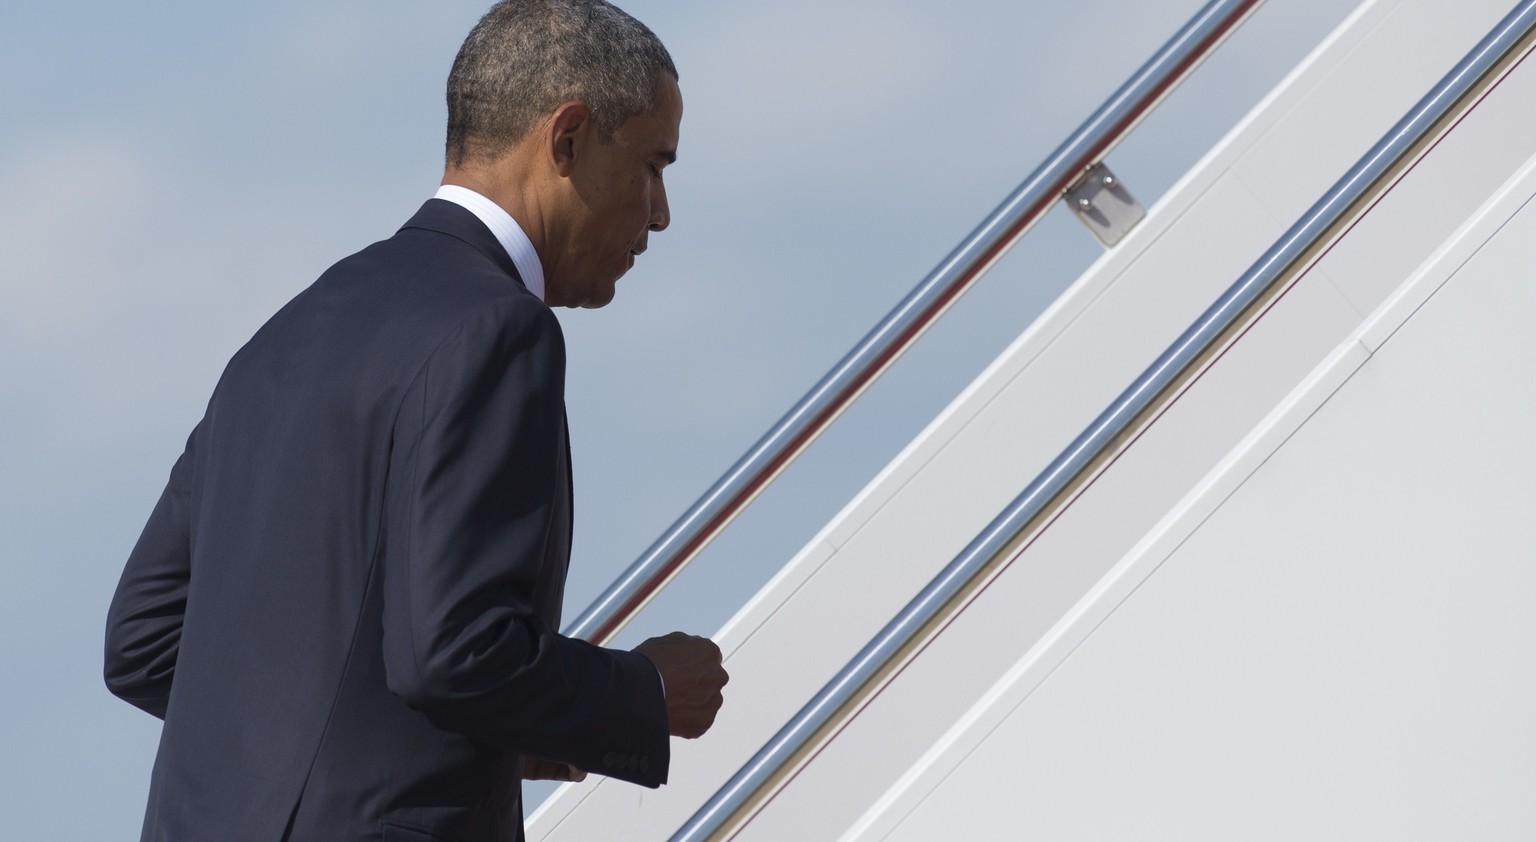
x=345 y=604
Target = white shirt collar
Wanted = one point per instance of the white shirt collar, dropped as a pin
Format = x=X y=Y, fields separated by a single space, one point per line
x=507 y=231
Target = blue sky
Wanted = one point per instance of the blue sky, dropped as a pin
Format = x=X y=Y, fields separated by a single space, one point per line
x=171 y=173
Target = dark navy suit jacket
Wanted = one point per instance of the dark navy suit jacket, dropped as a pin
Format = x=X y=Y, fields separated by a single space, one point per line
x=345 y=603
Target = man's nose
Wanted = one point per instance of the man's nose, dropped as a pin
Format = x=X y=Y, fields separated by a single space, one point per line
x=661 y=214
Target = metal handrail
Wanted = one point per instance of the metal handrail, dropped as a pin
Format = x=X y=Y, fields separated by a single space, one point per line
x=987 y=244
x=1130 y=413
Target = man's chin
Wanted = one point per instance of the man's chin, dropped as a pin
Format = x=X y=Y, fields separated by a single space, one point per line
x=587 y=296
x=599 y=298
x=602 y=295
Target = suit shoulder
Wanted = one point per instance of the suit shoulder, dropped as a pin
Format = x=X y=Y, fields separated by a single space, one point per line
x=427 y=282
x=376 y=316
x=430 y=263
x=507 y=320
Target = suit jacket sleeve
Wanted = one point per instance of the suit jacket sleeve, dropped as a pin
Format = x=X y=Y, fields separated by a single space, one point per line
x=144 y=621
x=472 y=482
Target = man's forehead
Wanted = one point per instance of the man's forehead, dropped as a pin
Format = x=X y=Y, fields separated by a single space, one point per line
x=658 y=128
x=669 y=99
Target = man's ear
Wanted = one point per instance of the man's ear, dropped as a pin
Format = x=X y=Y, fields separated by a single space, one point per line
x=568 y=128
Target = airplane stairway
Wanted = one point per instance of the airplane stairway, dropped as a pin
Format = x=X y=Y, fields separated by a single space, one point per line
x=1290 y=604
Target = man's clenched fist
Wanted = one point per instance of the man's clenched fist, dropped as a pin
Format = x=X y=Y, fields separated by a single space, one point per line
x=691 y=671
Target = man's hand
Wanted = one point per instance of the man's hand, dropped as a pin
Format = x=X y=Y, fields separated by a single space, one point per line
x=691 y=672
x=535 y=769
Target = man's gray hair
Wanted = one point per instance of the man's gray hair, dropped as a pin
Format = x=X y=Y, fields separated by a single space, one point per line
x=525 y=58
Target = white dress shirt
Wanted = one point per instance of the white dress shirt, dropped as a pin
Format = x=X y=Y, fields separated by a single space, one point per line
x=507 y=231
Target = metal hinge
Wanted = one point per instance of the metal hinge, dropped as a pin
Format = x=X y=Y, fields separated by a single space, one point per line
x=1103 y=204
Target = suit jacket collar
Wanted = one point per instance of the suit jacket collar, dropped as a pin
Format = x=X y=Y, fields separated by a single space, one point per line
x=456 y=221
